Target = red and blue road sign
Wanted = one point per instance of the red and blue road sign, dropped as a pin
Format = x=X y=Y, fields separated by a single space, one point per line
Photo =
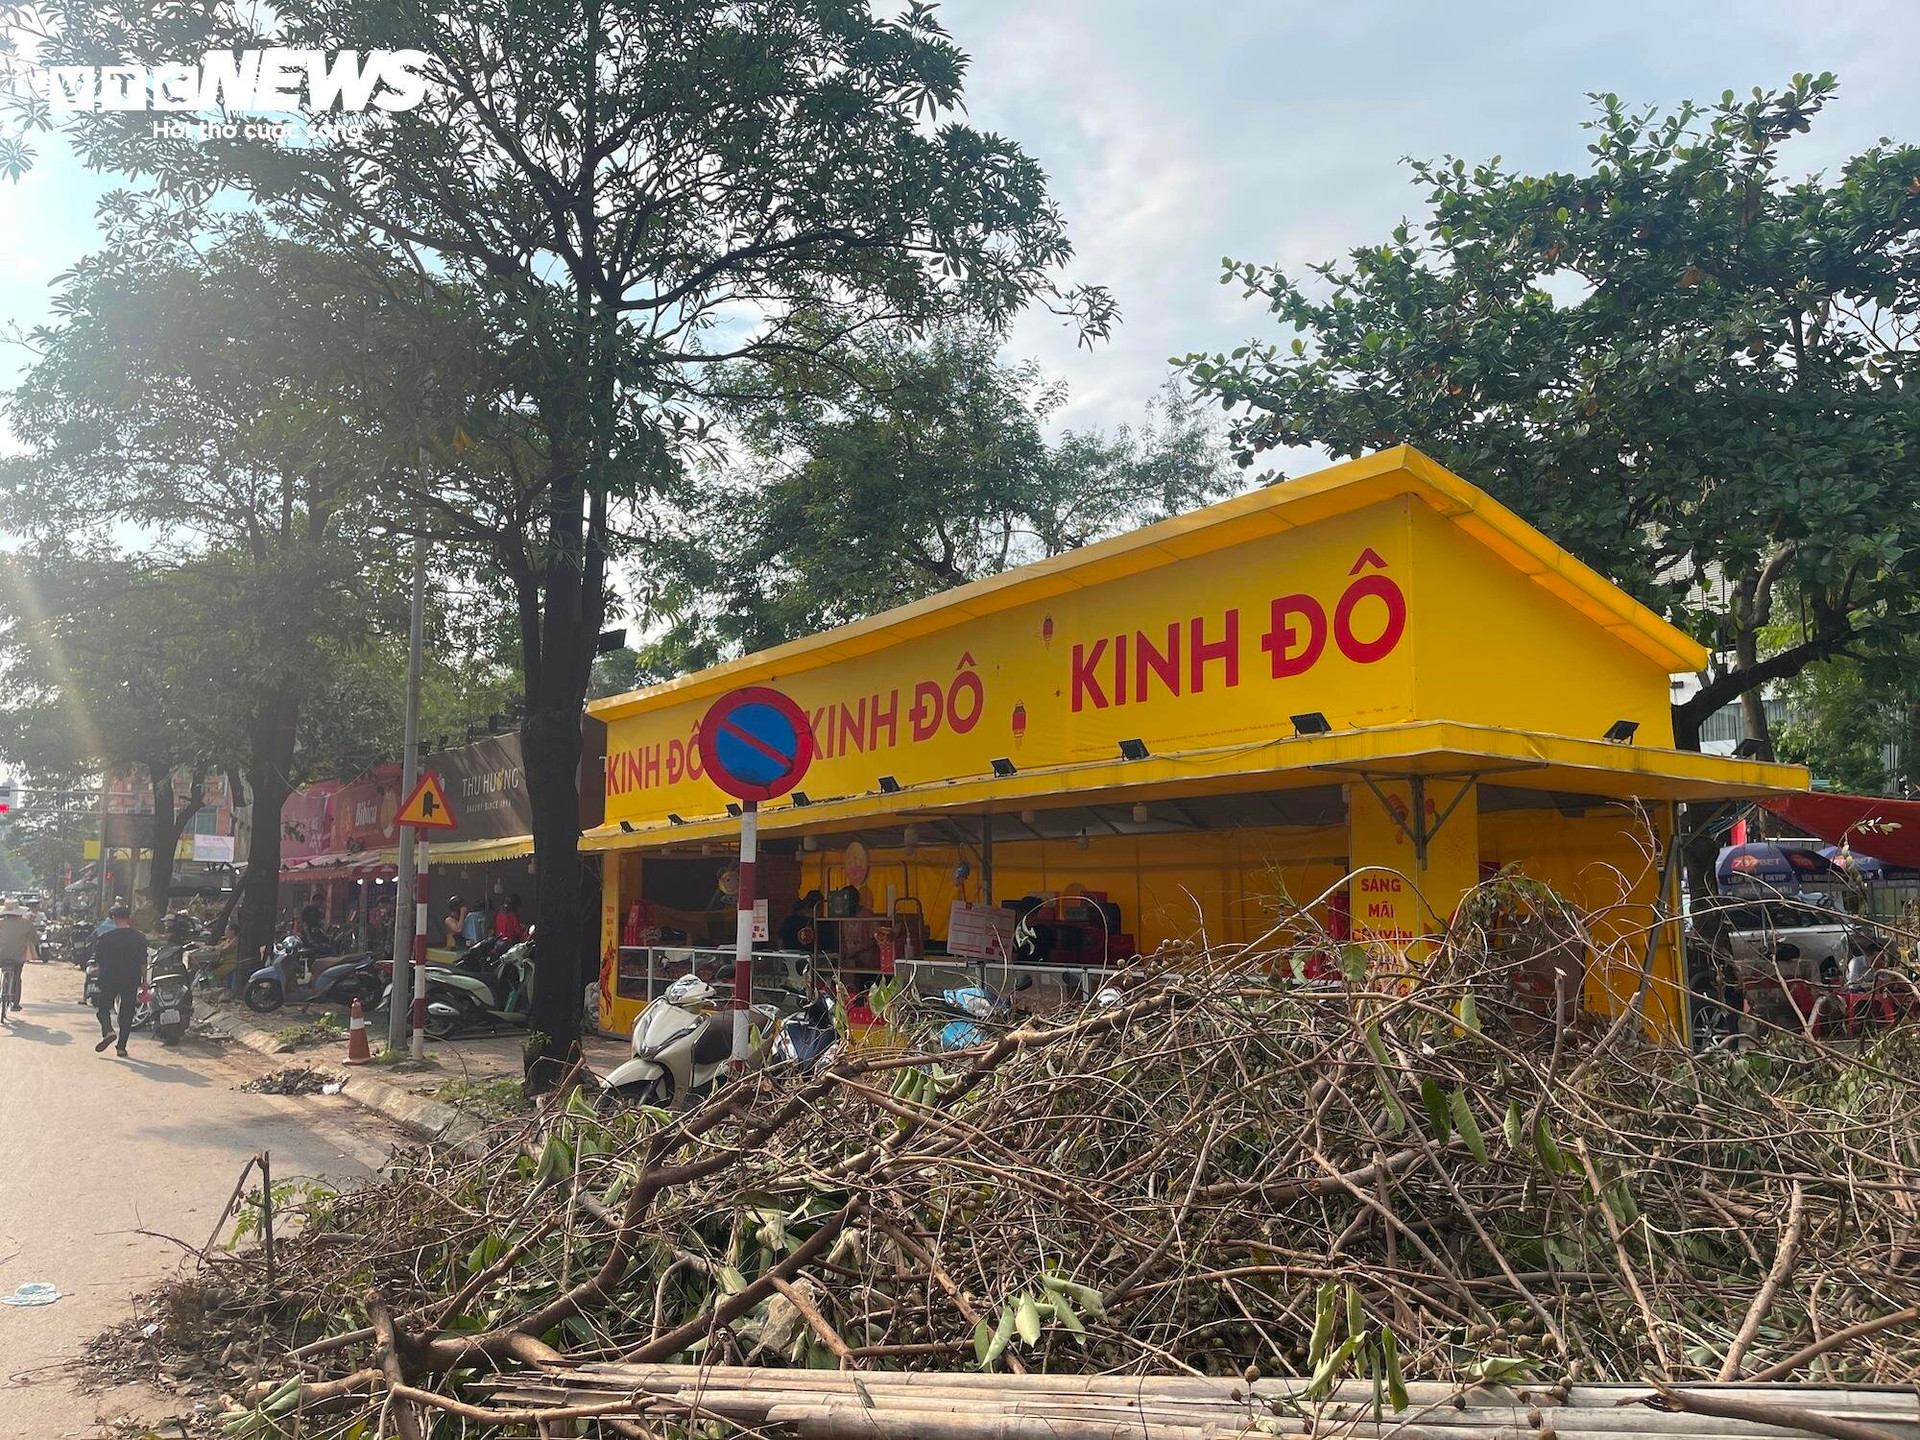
x=755 y=743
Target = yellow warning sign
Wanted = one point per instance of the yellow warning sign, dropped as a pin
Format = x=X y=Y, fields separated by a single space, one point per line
x=427 y=808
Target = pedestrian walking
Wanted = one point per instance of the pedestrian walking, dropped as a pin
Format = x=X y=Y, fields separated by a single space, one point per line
x=121 y=958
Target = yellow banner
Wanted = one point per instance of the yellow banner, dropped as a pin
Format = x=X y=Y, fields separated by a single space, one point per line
x=1304 y=620
x=90 y=850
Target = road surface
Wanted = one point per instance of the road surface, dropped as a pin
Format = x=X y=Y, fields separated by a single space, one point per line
x=100 y=1158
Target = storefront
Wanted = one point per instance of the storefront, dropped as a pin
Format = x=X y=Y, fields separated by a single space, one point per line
x=1196 y=729
x=336 y=853
x=488 y=858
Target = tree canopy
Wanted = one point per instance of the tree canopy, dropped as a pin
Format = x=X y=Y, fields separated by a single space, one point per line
x=611 y=202
x=1686 y=363
x=886 y=471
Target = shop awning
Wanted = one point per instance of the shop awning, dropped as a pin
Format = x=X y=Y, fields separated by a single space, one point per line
x=342 y=865
x=1876 y=825
x=479 y=852
x=1563 y=770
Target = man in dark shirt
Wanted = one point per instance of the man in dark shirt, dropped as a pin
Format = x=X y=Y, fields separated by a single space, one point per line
x=121 y=954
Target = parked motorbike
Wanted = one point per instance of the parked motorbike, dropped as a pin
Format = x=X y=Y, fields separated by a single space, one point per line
x=337 y=979
x=167 y=999
x=807 y=1040
x=443 y=1017
x=974 y=1007
x=682 y=1044
x=491 y=984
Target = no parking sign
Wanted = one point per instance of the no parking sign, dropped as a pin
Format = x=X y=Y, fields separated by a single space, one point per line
x=755 y=743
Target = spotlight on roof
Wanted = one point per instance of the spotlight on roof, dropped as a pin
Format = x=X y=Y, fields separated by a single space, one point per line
x=1003 y=768
x=1621 y=731
x=800 y=797
x=1133 y=749
x=733 y=810
x=889 y=785
x=673 y=819
x=1747 y=749
x=626 y=827
x=610 y=641
x=1311 y=723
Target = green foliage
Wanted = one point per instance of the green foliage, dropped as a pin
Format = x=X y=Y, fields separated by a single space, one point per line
x=541 y=275
x=1686 y=364
x=324 y=1029
x=1838 y=729
x=896 y=468
x=495 y=1099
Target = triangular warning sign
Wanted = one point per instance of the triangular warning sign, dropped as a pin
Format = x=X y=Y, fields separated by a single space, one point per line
x=427 y=808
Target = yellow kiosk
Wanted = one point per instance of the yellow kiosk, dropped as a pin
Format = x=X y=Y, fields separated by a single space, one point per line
x=1376 y=671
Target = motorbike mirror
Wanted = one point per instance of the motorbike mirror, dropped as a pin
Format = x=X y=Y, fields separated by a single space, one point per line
x=1025 y=982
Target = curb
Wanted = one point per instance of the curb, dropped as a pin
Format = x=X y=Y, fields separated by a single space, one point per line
x=434 y=1121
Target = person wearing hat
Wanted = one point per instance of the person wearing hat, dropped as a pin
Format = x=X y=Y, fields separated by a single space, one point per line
x=121 y=955
x=19 y=941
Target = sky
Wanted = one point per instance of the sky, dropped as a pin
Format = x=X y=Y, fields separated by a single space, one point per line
x=1266 y=130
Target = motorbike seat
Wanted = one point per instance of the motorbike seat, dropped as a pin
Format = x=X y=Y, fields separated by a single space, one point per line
x=715 y=1040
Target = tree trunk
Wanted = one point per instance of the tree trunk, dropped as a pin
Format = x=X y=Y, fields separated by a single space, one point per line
x=159 y=839
x=1700 y=845
x=268 y=778
x=168 y=827
x=550 y=745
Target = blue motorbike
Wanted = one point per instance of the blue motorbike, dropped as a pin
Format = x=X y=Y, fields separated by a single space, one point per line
x=337 y=979
x=975 y=1008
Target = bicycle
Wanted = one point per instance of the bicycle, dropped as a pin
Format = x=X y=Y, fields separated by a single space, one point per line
x=9 y=989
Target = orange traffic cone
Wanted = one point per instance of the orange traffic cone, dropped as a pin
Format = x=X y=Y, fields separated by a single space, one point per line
x=357 y=1051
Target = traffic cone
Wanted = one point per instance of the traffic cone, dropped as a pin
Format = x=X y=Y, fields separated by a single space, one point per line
x=357 y=1051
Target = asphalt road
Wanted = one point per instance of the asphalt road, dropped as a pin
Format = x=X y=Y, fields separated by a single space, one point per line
x=102 y=1159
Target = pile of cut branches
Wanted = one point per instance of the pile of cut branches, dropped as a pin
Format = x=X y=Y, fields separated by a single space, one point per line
x=1380 y=1178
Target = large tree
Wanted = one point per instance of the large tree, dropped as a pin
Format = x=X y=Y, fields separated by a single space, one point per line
x=105 y=661
x=624 y=194
x=183 y=395
x=892 y=469
x=1687 y=363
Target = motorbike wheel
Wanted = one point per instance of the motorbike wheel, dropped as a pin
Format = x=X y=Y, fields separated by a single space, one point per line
x=172 y=1034
x=264 y=996
x=658 y=1092
x=442 y=1027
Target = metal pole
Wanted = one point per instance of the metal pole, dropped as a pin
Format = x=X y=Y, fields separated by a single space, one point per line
x=743 y=934
x=420 y=952
x=105 y=782
x=410 y=769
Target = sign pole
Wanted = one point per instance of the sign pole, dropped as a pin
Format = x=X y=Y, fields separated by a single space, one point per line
x=743 y=933
x=410 y=766
x=419 y=1047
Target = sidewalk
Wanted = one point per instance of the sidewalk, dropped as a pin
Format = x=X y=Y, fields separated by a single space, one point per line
x=412 y=1097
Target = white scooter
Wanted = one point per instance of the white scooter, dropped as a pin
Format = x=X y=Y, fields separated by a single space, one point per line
x=682 y=1044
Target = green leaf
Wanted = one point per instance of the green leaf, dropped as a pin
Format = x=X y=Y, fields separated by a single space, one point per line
x=1468 y=1127
x=1514 y=1127
x=1026 y=1319
x=1396 y=1381
x=1435 y=1099
x=1323 y=1311
x=1469 y=1013
x=1550 y=1153
x=1396 y=1115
